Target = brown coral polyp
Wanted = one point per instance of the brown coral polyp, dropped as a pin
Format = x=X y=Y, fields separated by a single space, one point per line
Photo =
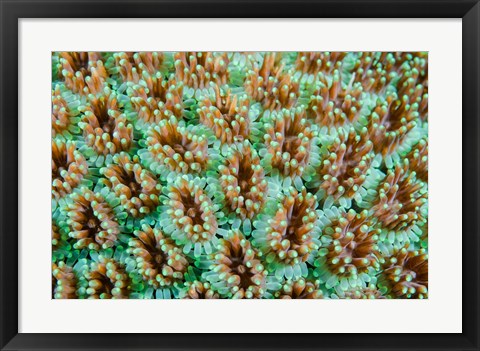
x=270 y=85
x=200 y=290
x=400 y=199
x=131 y=65
x=243 y=182
x=107 y=279
x=291 y=234
x=406 y=273
x=418 y=158
x=192 y=213
x=334 y=105
x=63 y=116
x=69 y=167
x=236 y=270
x=136 y=187
x=84 y=72
x=105 y=126
x=227 y=116
x=158 y=260
x=198 y=69
x=389 y=123
x=55 y=236
x=300 y=289
x=366 y=293
x=414 y=85
x=157 y=99
x=346 y=163
x=178 y=149
x=64 y=281
x=91 y=221
x=315 y=62
x=353 y=249
x=288 y=141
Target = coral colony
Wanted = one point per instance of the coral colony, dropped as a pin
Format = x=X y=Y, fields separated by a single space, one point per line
x=213 y=175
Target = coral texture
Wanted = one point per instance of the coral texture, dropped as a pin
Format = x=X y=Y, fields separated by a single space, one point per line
x=239 y=175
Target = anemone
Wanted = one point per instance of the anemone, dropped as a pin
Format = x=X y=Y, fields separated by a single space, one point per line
x=130 y=66
x=289 y=142
x=345 y=171
x=155 y=98
x=405 y=274
x=240 y=183
x=64 y=281
x=200 y=290
x=107 y=279
x=83 y=72
x=300 y=289
x=105 y=126
x=399 y=204
x=227 y=116
x=234 y=268
x=198 y=69
x=69 y=168
x=333 y=104
x=290 y=237
x=270 y=85
x=158 y=260
x=91 y=220
x=349 y=253
x=189 y=216
x=174 y=147
x=64 y=115
x=137 y=188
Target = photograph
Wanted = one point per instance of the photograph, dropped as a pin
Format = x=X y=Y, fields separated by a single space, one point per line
x=239 y=175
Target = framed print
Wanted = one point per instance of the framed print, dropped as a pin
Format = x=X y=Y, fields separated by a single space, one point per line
x=239 y=175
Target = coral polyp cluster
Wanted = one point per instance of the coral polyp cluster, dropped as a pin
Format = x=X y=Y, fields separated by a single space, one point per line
x=300 y=289
x=91 y=220
x=64 y=281
x=406 y=274
x=198 y=69
x=131 y=65
x=270 y=84
x=350 y=252
x=105 y=127
x=290 y=237
x=334 y=105
x=189 y=215
x=107 y=279
x=83 y=72
x=239 y=175
x=69 y=168
x=157 y=258
x=227 y=115
x=288 y=140
x=346 y=165
x=241 y=183
x=137 y=188
x=174 y=147
x=235 y=270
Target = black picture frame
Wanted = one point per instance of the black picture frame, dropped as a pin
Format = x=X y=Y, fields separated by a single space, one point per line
x=12 y=11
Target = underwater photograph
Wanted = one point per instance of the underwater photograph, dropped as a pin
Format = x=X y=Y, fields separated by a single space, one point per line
x=239 y=175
